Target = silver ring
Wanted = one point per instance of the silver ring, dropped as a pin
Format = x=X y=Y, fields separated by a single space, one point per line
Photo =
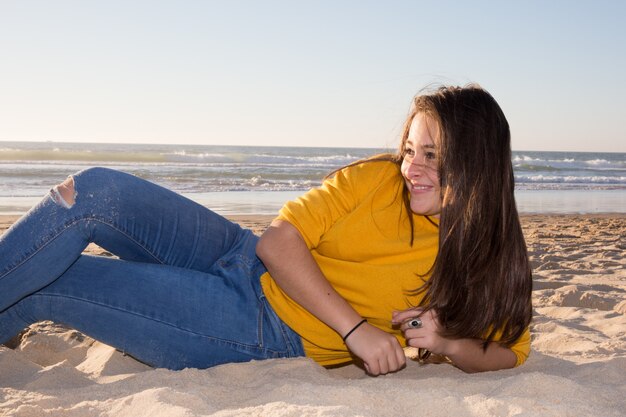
x=415 y=323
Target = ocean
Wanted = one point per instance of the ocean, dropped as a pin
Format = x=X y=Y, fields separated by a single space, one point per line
x=258 y=180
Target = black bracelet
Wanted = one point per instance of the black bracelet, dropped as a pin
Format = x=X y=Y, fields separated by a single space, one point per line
x=353 y=329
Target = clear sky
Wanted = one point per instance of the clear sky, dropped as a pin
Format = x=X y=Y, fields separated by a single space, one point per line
x=306 y=73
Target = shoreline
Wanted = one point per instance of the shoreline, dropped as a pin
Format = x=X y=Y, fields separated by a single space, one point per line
x=227 y=203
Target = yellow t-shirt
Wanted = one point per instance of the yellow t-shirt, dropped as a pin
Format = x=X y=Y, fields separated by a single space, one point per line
x=358 y=232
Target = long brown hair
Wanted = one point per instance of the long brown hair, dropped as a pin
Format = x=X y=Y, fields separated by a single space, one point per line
x=481 y=281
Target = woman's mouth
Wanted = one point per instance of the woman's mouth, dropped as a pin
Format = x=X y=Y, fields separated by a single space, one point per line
x=419 y=187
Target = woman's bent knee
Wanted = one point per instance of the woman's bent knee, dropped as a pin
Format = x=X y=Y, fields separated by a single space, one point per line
x=96 y=181
x=64 y=194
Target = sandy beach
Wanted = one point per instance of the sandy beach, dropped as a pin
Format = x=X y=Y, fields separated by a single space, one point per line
x=577 y=366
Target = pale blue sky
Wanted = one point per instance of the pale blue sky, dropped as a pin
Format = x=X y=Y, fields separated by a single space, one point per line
x=306 y=73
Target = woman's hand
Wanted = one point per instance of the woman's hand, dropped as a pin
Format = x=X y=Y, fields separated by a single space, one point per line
x=427 y=335
x=380 y=351
x=466 y=354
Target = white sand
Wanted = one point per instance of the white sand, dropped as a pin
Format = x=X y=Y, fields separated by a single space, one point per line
x=577 y=367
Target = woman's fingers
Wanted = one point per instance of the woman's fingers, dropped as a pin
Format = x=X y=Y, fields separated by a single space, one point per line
x=383 y=366
x=387 y=363
x=378 y=350
x=420 y=328
x=399 y=317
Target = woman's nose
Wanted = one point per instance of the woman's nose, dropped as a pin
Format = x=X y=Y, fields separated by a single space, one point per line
x=415 y=169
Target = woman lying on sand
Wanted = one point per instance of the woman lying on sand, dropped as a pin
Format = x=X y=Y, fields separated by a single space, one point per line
x=422 y=249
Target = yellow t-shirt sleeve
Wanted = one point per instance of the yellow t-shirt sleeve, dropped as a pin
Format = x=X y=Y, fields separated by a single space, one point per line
x=521 y=347
x=315 y=212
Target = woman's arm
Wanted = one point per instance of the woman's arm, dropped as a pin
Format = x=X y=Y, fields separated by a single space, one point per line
x=466 y=354
x=469 y=355
x=290 y=263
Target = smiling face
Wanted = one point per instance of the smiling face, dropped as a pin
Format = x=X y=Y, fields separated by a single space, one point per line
x=419 y=167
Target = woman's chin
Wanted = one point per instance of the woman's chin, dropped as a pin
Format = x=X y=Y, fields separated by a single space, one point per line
x=420 y=211
x=424 y=209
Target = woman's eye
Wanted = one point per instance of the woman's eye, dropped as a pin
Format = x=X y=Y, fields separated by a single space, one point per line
x=409 y=152
x=431 y=156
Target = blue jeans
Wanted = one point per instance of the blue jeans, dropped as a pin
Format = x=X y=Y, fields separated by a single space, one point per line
x=185 y=291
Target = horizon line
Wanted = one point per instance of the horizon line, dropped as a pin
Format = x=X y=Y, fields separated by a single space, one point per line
x=262 y=146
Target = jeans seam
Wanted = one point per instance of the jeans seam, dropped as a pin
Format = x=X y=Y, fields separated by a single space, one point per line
x=130 y=237
x=259 y=324
x=28 y=256
x=290 y=348
x=212 y=338
x=228 y=259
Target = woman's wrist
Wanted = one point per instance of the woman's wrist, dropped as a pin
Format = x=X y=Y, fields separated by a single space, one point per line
x=356 y=326
x=451 y=347
x=470 y=356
